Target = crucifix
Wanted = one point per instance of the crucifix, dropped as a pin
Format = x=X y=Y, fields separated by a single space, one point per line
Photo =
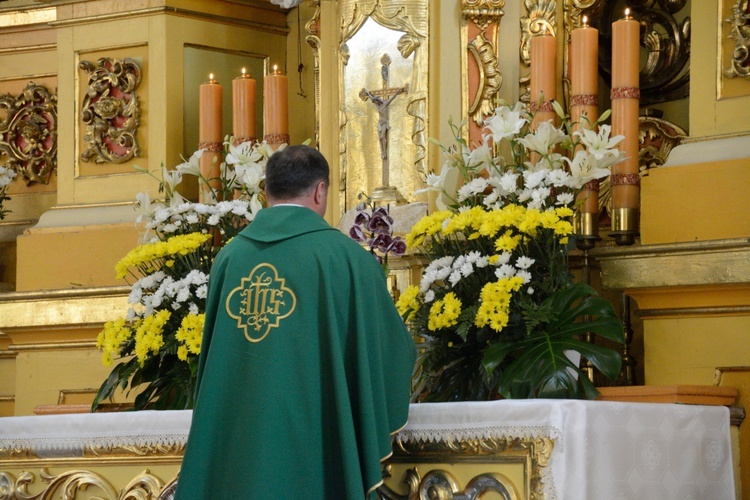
x=382 y=98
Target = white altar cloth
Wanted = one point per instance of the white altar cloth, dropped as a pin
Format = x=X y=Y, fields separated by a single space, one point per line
x=603 y=450
x=49 y=436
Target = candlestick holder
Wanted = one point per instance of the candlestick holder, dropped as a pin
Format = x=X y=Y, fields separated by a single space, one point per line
x=625 y=225
x=387 y=195
x=586 y=229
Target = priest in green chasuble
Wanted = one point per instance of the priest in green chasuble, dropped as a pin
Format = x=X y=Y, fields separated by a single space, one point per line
x=305 y=365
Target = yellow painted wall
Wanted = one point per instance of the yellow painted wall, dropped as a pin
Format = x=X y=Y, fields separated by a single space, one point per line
x=696 y=202
x=688 y=350
x=73 y=257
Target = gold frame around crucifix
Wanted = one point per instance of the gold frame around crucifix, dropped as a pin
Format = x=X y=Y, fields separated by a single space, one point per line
x=400 y=30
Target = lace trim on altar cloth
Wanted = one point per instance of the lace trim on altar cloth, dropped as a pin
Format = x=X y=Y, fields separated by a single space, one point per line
x=76 y=446
x=438 y=433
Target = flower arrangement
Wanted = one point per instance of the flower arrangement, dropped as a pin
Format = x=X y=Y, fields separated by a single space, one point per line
x=496 y=305
x=373 y=228
x=6 y=177
x=157 y=343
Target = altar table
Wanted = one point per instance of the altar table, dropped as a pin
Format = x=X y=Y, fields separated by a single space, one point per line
x=578 y=449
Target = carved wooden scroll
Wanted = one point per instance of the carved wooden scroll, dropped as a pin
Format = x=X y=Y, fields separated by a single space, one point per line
x=110 y=110
x=28 y=133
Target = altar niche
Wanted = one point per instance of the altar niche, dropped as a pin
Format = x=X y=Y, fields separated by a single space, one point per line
x=383 y=105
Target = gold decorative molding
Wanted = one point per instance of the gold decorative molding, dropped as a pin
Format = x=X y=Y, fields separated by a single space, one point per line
x=540 y=15
x=28 y=133
x=482 y=77
x=312 y=27
x=69 y=484
x=739 y=32
x=701 y=263
x=54 y=308
x=110 y=110
x=535 y=452
x=656 y=139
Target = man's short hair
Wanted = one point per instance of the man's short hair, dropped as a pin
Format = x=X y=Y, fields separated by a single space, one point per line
x=294 y=171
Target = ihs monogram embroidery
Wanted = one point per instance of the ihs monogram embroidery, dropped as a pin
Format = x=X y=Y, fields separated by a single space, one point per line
x=260 y=302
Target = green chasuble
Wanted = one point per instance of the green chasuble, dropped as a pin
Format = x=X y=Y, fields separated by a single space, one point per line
x=305 y=367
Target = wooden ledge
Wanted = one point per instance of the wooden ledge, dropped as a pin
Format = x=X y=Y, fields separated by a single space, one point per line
x=685 y=394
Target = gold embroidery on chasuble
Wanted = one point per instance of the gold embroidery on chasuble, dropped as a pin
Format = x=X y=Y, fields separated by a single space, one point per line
x=260 y=302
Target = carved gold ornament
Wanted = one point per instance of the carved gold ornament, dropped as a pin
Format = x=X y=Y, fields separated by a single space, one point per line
x=536 y=451
x=541 y=16
x=110 y=110
x=28 y=133
x=69 y=484
x=740 y=34
x=442 y=484
x=486 y=16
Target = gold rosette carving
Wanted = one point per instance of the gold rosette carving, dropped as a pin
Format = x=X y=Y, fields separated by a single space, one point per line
x=28 y=133
x=110 y=110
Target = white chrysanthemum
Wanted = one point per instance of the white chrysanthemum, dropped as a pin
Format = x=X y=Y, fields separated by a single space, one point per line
x=525 y=275
x=504 y=258
x=524 y=262
x=532 y=179
x=559 y=178
x=466 y=269
x=565 y=199
x=455 y=277
x=505 y=271
x=472 y=188
x=429 y=296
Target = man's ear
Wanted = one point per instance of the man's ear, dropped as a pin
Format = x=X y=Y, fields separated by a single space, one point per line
x=321 y=193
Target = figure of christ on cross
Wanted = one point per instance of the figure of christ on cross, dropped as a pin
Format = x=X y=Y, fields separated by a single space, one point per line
x=382 y=98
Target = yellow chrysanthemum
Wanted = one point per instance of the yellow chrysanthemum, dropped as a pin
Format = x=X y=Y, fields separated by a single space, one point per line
x=462 y=220
x=563 y=212
x=426 y=226
x=507 y=242
x=531 y=222
x=190 y=333
x=111 y=338
x=144 y=255
x=495 y=300
x=149 y=335
x=444 y=312
x=408 y=300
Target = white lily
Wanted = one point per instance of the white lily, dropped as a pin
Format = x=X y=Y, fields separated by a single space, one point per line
x=192 y=166
x=506 y=122
x=543 y=138
x=599 y=143
x=585 y=168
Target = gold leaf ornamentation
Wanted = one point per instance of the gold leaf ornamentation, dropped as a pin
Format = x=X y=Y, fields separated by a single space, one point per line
x=28 y=133
x=110 y=110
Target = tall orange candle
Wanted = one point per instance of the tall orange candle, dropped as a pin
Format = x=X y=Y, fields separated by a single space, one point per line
x=276 y=108
x=210 y=133
x=543 y=76
x=243 y=108
x=625 y=102
x=584 y=99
